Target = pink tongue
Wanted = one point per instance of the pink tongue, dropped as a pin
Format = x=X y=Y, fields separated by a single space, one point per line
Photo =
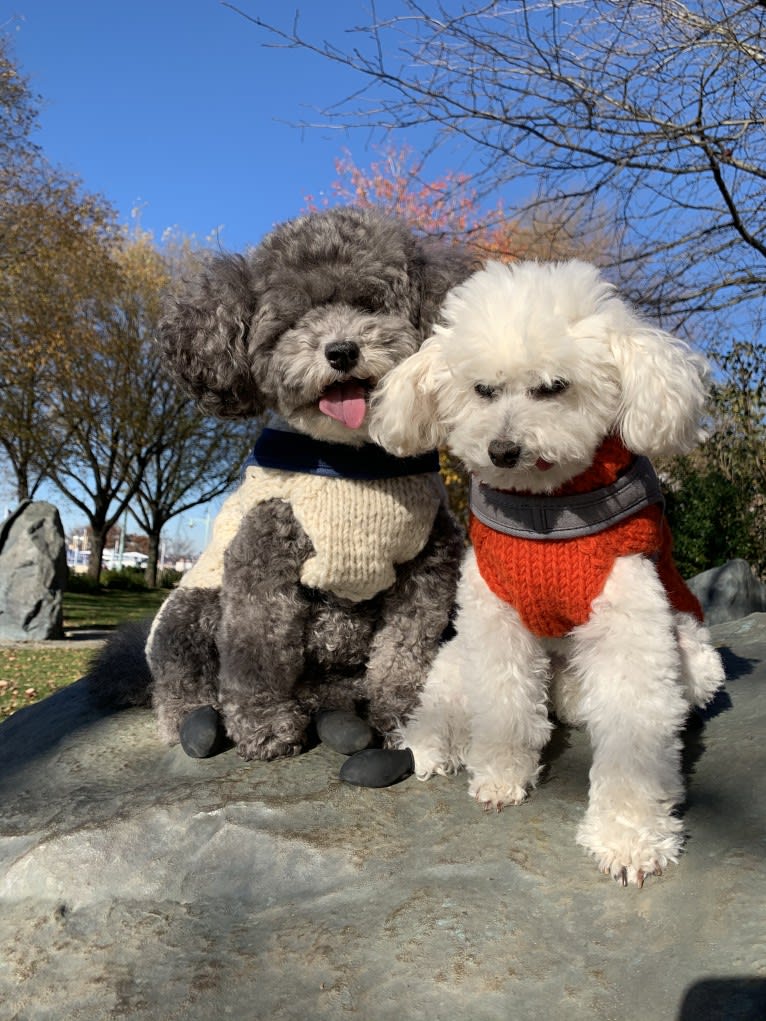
x=346 y=403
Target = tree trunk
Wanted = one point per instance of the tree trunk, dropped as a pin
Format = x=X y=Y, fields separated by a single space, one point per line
x=152 y=564
x=98 y=542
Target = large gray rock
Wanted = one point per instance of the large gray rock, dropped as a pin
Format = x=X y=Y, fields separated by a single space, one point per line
x=141 y=884
x=33 y=573
x=729 y=592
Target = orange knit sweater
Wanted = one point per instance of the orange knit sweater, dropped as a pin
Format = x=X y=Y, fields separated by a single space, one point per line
x=552 y=583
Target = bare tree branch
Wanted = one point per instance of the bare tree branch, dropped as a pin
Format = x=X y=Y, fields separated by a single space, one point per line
x=651 y=109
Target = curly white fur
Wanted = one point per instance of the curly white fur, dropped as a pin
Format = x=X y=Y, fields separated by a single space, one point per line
x=547 y=360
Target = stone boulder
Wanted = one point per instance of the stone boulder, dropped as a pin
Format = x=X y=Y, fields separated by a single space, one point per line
x=729 y=592
x=141 y=884
x=33 y=573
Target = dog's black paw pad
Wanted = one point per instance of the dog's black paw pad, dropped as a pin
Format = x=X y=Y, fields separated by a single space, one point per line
x=343 y=731
x=378 y=767
x=202 y=733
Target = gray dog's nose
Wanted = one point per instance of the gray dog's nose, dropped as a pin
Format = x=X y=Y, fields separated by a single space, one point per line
x=342 y=354
x=504 y=454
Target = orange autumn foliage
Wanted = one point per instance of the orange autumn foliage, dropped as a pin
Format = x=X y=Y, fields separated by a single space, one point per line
x=450 y=206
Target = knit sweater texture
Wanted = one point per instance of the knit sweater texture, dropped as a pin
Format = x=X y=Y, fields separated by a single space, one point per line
x=360 y=530
x=553 y=583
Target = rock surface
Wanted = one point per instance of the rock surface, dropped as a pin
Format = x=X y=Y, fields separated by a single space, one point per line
x=33 y=573
x=729 y=592
x=138 y=883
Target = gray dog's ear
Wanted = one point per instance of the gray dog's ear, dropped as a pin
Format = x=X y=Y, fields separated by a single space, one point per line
x=203 y=336
x=437 y=267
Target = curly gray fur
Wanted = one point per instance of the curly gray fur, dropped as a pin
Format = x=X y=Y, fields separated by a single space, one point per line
x=233 y=335
x=118 y=675
x=251 y=333
x=324 y=651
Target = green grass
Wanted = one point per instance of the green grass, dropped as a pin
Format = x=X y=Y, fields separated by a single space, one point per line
x=107 y=609
x=29 y=674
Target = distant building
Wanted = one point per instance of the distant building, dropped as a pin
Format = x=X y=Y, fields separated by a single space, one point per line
x=115 y=561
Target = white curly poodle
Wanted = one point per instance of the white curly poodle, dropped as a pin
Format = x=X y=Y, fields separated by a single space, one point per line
x=554 y=394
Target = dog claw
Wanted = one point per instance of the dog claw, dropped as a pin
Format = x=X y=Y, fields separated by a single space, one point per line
x=621 y=874
x=641 y=876
x=488 y=806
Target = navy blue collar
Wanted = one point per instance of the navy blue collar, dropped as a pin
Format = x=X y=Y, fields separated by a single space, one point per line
x=295 y=452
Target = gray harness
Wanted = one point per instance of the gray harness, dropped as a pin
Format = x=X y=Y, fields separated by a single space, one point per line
x=567 y=517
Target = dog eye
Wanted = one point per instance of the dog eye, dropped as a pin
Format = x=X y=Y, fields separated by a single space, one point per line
x=486 y=391
x=552 y=389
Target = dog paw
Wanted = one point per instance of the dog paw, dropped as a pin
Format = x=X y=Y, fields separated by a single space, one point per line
x=630 y=853
x=201 y=733
x=266 y=742
x=343 y=731
x=495 y=794
x=377 y=767
x=266 y=750
x=434 y=762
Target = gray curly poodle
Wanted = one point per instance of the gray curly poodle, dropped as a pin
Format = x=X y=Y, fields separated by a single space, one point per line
x=330 y=577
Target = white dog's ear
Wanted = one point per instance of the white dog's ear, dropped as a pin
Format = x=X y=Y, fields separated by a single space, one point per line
x=664 y=390
x=404 y=412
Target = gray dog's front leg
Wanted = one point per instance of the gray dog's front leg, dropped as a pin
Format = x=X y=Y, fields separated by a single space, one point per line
x=261 y=643
x=416 y=618
x=183 y=657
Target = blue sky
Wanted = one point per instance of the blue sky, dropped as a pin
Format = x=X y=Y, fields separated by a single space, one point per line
x=178 y=108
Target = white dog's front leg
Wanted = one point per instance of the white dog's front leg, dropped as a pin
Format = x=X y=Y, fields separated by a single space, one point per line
x=437 y=730
x=633 y=704
x=505 y=680
x=702 y=671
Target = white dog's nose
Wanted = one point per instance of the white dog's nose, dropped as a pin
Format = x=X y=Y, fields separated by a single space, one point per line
x=504 y=454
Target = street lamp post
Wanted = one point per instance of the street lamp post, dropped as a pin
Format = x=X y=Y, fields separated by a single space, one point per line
x=198 y=521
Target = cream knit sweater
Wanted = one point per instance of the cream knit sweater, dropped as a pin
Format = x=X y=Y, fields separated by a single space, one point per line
x=360 y=530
